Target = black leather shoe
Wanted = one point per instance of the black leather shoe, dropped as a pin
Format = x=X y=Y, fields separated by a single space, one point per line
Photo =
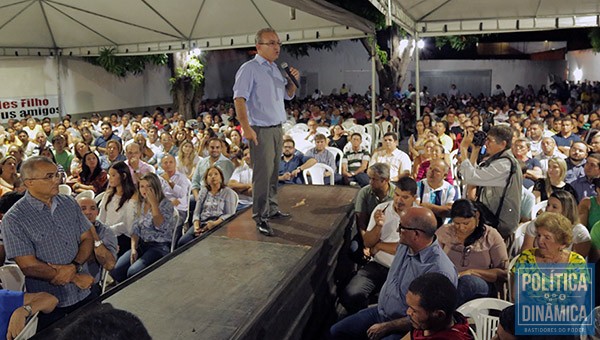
x=280 y=214
x=264 y=228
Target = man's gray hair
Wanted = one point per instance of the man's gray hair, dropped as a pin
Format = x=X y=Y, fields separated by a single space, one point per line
x=260 y=33
x=501 y=134
x=382 y=170
x=30 y=164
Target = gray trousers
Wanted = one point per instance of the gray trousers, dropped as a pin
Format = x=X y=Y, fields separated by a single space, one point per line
x=265 y=171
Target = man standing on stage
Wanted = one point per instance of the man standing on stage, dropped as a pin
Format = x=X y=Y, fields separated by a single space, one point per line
x=258 y=94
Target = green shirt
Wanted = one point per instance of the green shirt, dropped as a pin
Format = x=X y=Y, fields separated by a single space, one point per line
x=64 y=159
x=366 y=200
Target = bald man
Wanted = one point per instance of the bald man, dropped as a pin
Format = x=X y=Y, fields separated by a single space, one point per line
x=105 y=243
x=417 y=254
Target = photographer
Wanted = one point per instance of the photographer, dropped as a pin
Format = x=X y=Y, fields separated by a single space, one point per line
x=498 y=177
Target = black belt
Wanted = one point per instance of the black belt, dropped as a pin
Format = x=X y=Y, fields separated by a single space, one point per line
x=270 y=126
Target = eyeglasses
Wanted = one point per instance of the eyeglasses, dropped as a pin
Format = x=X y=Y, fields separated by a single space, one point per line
x=400 y=227
x=272 y=43
x=48 y=177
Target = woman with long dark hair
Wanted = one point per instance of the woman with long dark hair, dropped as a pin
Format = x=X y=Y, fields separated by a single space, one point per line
x=92 y=177
x=119 y=206
x=152 y=230
x=477 y=250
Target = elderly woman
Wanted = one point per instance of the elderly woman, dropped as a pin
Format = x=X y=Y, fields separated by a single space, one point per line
x=555 y=179
x=563 y=203
x=554 y=235
x=8 y=174
x=216 y=203
x=478 y=252
x=152 y=230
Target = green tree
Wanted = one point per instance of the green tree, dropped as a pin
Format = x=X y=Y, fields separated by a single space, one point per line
x=187 y=83
x=123 y=65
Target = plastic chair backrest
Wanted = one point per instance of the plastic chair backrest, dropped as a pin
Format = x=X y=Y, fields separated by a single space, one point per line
x=511 y=264
x=12 y=278
x=369 y=130
x=317 y=174
x=30 y=328
x=300 y=127
x=348 y=123
x=175 y=236
x=339 y=154
x=86 y=193
x=537 y=208
x=358 y=128
x=98 y=198
x=64 y=189
x=386 y=127
x=479 y=310
x=323 y=130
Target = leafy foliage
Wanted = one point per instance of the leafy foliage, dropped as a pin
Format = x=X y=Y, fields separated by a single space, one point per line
x=594 y=36
x=122 y=65
x=301 y=50
x=457 y=42
x=192 y=73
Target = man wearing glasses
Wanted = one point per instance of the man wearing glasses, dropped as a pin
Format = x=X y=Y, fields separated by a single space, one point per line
x=258 y=93
x=48 y=236
x=418 y=253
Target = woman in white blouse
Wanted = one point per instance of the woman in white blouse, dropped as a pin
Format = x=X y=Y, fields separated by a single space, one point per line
x=119 y=206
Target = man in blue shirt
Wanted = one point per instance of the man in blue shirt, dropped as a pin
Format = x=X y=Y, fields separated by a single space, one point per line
x=258 y=95
x=292 y=164
x=48 y=237
x=17 y=307
x=107 y=134
x=417 y=254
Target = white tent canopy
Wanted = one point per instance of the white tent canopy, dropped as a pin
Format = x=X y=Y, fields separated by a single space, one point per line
x=452 y=17
x=83 y=27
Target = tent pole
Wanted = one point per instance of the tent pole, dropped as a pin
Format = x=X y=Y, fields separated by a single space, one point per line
x=61 y=112
x=373 y=93
x=417 y=77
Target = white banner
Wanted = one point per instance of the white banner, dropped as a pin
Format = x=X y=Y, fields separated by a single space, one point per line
x=37 y=107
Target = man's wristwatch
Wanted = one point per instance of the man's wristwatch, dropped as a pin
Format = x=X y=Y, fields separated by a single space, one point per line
x=78 y=266
x=98 y=243
x=28 y=309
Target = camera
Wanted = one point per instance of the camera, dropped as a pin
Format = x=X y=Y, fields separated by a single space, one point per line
x=479 y=138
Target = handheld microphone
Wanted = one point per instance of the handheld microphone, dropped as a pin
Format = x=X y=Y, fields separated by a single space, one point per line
x=286 y=67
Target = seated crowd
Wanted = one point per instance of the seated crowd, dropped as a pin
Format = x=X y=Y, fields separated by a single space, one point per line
x=143 y=184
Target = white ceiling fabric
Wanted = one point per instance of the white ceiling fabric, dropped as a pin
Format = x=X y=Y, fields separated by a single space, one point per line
x=451 y=17
x=83 y=27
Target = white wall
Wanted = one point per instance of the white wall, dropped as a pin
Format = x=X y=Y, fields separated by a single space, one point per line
x=587 y=60
x=507 y=73
x=84 y=87
x=347 y=63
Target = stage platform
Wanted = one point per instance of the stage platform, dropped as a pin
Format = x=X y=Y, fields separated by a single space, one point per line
x=238 y=284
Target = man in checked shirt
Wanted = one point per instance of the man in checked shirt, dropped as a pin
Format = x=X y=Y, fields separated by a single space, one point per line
x=48 y=236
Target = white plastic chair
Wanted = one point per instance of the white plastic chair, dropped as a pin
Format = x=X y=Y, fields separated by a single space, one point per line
x=338 y=157
x=386 y=126
x=348 y=123
x=537 y=208
x=317 y=174
x=357 y=128
x=511 y=264
x=373 y=130
x=104 y=280
x=175 y=236
x=300 y=127
x=479 y=310
x=519 y=237
x=86 y=193
x=12 y=278
x=30 y=328
x=98 y=198
x=64 y=189
x=323 y=130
